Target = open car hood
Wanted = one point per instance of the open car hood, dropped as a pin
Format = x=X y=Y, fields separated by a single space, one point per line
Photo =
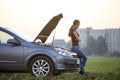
x=49 y=27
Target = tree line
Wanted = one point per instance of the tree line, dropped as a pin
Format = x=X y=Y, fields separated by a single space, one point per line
x=96 y=46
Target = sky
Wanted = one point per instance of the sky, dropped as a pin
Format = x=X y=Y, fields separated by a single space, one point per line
x=30 y=16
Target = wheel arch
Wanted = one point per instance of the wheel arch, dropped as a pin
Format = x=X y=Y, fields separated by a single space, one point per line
x=40 y=54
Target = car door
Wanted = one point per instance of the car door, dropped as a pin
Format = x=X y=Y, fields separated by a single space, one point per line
x=11 y=56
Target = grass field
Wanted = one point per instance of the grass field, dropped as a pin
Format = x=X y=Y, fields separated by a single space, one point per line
x=98 y=68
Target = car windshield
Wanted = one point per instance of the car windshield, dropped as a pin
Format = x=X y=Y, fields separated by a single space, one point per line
x=21 y=35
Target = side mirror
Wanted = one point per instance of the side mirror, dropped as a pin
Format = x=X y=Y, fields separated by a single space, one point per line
x=13 y=41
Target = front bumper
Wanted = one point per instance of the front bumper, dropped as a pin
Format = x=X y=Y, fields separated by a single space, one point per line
x=67 y=64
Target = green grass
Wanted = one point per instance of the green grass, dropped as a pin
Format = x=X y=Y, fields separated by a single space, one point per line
x=98 y=68
x=103 y=64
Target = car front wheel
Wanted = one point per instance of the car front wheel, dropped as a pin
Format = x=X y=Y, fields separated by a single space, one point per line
x=41 y=66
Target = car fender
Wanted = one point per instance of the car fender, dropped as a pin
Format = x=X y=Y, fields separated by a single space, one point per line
x=39 y=52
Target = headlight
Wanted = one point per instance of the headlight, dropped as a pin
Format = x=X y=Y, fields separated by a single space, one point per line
x=63 y=52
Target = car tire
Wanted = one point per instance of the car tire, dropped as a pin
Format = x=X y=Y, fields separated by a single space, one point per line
x=41 y=66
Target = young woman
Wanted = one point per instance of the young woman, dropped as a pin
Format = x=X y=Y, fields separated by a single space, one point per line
x=75 y=45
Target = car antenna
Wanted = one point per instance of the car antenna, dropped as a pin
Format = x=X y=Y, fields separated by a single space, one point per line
x=53 y=37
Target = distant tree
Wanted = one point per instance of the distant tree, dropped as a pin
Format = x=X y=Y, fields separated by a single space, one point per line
x=101 y=46
x=91 y=43
x=98 y=46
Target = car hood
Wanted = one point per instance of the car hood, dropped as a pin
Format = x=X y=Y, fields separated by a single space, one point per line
x=49 y=27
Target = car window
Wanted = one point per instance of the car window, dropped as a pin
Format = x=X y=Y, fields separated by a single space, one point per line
x=4 y=37
x=21 y=35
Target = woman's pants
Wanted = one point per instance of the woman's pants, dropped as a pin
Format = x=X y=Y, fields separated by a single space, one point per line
x=81 y=56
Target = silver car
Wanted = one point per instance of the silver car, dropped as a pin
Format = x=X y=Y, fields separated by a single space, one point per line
x=20 y=54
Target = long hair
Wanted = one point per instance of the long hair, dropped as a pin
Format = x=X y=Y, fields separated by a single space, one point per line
x=72 y=27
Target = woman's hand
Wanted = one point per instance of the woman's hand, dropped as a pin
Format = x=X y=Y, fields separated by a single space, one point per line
x=76 y=36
